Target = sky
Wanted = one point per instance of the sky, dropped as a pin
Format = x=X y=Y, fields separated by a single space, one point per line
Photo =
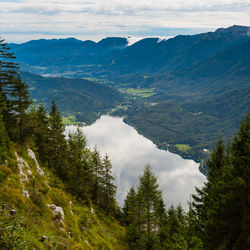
x=23 y=20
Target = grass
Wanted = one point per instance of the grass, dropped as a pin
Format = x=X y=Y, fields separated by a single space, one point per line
x=183 y=147
x=138 y=92
x=88 y=230
x=69 y=120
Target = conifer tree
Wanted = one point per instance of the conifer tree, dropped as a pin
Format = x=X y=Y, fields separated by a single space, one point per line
x=109 y=189
x=80 y=176
x=162 y=222
x=97 y=170
x=8 y=76
x=19 y=104
x=41 y=132
x=4 y=140
x=148 y=188
x=222 y=206
x=8 y=69
x=129 y=208
x=145 y=230
x=209 y=200
x=57 y=149
x=131 y=220
x=238 y=190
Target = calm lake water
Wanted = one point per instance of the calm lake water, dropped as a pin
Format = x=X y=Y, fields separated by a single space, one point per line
x=130 y=152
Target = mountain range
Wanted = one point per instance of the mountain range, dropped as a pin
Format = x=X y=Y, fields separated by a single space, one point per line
x=206 y=74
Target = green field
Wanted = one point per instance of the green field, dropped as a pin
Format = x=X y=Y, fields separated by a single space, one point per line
x=183 y=147
x=138 y=92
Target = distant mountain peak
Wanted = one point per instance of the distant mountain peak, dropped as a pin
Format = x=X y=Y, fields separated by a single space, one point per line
x=236 y=30
x=113 y=42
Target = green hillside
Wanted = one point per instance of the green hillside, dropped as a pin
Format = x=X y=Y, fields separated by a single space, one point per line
x=83 y=99
x=36 y=225
x=197 y=124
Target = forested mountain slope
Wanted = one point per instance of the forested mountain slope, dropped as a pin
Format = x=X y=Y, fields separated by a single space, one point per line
x=226 y=70
x=80 y=98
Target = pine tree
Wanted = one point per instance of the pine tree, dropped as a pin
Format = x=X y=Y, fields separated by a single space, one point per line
x=8 y=69
x=8 y=76
x=41 y=132
x=210 y=198
x=80 y=176
x=162 y=222
x=129 y=207
x=109 y=189
x=148 y=188
x=97 y=171
x=19 y=104
x=146 y=211
x=238 y=201
x=131 y=219
x=222 y=205
x=57 y=149
x=4 y=140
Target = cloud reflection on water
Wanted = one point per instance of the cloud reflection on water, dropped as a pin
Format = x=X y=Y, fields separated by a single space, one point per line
x=130 y=152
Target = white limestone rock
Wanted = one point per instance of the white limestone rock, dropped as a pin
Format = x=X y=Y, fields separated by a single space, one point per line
x=26 y=193
x=33 y=156
x=23 y=167
x=92 y=210
x=57 y=210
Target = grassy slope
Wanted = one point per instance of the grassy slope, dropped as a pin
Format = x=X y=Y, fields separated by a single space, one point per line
x=81 y=228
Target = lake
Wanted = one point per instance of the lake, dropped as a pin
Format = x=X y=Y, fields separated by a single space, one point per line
x=130 y=152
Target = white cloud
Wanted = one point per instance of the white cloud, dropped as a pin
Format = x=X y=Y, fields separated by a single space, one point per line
x=118 y=17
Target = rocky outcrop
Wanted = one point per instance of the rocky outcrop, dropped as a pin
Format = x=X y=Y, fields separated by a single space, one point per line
x=33 y=156
x=57 y=211
x=24 y=169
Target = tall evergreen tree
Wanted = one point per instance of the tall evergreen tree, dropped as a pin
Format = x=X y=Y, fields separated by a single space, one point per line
x=57 y=149
x=151 y=195
x=131 y=220
x=149 y=213
x=19 y=104
x=222 y=205
x=8 y=76
x=238 y=202
x=109 y=189
x=80 y=175
x=8 y=69
x=97 y=170
x=4 y=140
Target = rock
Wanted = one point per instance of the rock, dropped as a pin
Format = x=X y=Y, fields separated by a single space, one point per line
x=44 y=238
x=33 y=156
x=23 y=165
x=57 y=210
x=4 y=206
x=71 y=204
x=12 y=212
x=26 y=193
x=29 y=172
x=92 y=210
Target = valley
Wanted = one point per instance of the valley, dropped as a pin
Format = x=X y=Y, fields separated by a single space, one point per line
x=150 y=157
x=187 y=90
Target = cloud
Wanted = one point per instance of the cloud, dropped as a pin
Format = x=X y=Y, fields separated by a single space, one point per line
x=117 y=17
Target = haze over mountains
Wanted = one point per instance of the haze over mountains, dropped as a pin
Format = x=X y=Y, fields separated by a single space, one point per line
x=205 y=74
